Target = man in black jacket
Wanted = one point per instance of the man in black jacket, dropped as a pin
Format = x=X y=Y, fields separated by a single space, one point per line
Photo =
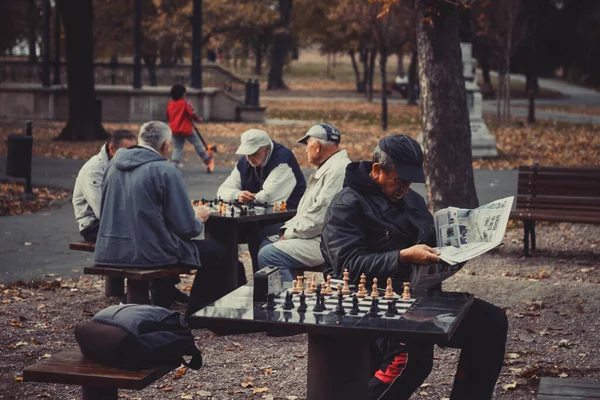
x=380 y=227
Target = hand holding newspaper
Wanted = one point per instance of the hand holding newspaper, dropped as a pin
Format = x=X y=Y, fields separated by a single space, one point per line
x=463 y=234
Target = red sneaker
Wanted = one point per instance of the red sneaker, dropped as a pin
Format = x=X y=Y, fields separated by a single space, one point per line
x=210 y=165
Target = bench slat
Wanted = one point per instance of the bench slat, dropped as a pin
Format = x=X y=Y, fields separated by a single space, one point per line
x=70 y=367
x=83 y=246
x=134 y=273
x=553 y=216
x=569 y=388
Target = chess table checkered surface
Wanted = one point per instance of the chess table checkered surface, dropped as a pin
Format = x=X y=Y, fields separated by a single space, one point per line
x=331 y=302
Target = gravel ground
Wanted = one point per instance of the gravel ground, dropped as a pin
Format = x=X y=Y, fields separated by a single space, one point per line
x=552 y=300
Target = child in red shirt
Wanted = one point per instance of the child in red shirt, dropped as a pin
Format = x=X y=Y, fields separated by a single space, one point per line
x=181 y=116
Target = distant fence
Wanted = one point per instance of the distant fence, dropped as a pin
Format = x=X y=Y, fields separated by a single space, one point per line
x=213 y=76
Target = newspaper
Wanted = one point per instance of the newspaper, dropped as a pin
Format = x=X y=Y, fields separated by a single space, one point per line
x=463 y=234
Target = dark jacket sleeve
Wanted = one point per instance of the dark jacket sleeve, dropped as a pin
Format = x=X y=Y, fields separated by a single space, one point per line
x=344 y=245
x=178 y=212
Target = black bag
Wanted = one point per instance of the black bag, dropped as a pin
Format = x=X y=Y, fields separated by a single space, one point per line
x=135 y=336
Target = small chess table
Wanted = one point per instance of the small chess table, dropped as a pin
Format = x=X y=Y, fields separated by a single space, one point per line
x=340 y=357
x=231 y=231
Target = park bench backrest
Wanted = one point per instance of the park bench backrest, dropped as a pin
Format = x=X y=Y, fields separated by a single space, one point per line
x=574 y=190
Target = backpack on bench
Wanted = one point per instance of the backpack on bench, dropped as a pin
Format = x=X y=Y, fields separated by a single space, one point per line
x=136 y=336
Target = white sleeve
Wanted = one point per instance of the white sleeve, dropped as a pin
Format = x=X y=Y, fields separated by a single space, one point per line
x=91 y=187
x=278 y=186
x=231 y=188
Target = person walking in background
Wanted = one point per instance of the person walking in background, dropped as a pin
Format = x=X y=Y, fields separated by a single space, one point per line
x=181 y=117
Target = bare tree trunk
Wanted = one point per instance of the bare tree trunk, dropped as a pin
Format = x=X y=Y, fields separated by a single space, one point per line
x=359 y=86
x=446 y=128
x=328 y=72
x=412 y=78
x=372 y=57
x=280 y=46
x=258 y=54
x=384 y=105
x=84 y=120
x=400 y=67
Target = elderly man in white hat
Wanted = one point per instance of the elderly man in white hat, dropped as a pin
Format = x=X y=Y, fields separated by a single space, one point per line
x=266 y=173
x=298 y=245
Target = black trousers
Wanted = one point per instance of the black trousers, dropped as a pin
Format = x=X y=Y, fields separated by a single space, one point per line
x=207 y=286
x=481 y=337
x=90 y=234
x=254 y=237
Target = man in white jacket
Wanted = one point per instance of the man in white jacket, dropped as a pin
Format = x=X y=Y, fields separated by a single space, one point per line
x=88 y=185
x=298 y=245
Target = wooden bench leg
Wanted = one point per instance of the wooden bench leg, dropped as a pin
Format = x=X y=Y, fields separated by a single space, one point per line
x=137 y=291
x=526 y=230
x=98 y=393
x=532 y=236
x=114 y=286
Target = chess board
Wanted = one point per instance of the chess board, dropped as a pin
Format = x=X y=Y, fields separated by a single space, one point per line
x=331 y=302
x=249 y=209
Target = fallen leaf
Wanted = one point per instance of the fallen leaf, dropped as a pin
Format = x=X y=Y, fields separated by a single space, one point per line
x=510 y=386
x=43 y=396
x=27 y=243
x=47 y=355
x=513 y=356
x=424 y=385
x=187 y=396
x=179 y=373
x=268 y=371
x=526 y=338
x=563 y=375
x=260 y=390
x=203 y=393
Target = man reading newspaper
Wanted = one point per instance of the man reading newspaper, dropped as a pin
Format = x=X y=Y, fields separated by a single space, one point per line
x=378 y=226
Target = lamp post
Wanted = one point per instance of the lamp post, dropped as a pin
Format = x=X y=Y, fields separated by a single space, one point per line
x=137 y=44
x=196 y=73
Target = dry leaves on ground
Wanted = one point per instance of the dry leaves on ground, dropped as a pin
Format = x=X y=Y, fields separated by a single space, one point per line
x=583 y=109
x=11 y=202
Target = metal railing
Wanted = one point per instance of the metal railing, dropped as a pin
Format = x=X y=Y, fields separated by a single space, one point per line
x=213 y=76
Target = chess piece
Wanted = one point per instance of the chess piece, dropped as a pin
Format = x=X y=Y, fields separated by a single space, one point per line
x=300 y=286
x=319 y=306
x=309 y=287
x=329 y=288
x=391 y=309
x=289 y=303
x=374 y=307
x=232 y=211
x=389 y=290
x=313 y=283
x=406 y=292
x=339 y=309
x=275 y=206
x=354 y=310
x=302 y=306
x=362 y=291
x=270 y=301
x=346 y=290
x=295 y=289
x=374 y=292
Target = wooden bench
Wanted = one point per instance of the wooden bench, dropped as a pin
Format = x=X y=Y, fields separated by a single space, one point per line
x=563 y=389
x=138 y=280
x=558 y=194
x=98 y=381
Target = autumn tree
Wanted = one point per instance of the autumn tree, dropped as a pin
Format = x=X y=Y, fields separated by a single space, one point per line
x=83 y=122
x=446 y=128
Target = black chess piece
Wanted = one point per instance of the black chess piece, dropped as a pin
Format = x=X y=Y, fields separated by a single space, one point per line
x=270 y=301
x=319 y=306
x=355 y=309
x=374 y=307
x=232 y=211
x=289 y=303
x=339 y=309
x=302 y=306
x=391 y=309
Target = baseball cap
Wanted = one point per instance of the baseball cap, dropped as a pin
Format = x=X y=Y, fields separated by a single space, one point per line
x=407 y=156
x=252 y=140
x=322 y=131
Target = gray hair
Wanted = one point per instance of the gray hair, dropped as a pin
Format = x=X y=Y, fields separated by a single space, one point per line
x=380 y=157
x=154 y=134
x=324 y=142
